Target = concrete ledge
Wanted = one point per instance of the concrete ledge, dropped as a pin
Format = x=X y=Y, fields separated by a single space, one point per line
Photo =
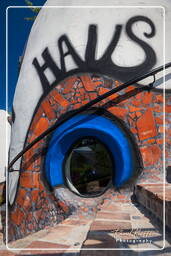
x=152 y=197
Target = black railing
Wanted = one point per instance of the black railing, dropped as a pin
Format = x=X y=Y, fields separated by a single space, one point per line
x=90 y=104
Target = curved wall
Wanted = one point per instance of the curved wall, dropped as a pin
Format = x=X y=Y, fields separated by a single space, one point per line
x=54 y=79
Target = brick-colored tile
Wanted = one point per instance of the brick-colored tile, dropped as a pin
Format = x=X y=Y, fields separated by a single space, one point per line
x=138 y=114
x=118 y=111
x=60 y=99
x=147 y=98
x=157 y=108
x=146 y=129
x=74 y=222
x=36 y=118
x=27 y=203
x=48 y=110
x=113 y=216
x=133 y=130
x=35 y=194
x=41 y=126
x=7 y=253
x=17 y=216
x=103 y=90
x=69 y=85
x=63 y=206
x=136 y=103
x=151 y=196
x=151 y=154
x=93 y=95
x=29 y=217
x=159 y=120
x=28 y=156
x=133 y=109
x=150 y=141
x=111 y=207
x=168 y=108
x=89 y=84
x=36 y=179
x=58 y=232
x=161 y=129
x=100 y=225
x=97 y=240
x=29 y=180
x=159 y=98
x=44 y=245
x=21 y=196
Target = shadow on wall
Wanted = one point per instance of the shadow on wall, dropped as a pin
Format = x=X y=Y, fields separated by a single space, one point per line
x=168 y=174
x=159 y=81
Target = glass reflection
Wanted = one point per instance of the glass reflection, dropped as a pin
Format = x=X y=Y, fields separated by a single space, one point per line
x=88 y=168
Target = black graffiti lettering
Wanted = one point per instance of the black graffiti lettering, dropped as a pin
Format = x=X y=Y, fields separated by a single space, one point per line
x=105 y=64
x=64 y=39
x=150 y=56
x=110 y=49
x=91 y=46
x=49 y=63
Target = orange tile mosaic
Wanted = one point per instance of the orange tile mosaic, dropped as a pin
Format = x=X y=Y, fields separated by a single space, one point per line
x=142 y=114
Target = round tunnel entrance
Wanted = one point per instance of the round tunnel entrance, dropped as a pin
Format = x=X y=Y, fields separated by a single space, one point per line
x=88 y=167
x=90 y=151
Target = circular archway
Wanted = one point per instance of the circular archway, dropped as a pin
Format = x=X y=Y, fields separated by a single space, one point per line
x=75 y=153
x=88 y=167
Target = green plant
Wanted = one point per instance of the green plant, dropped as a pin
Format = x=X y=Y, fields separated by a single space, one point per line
x=33 y=9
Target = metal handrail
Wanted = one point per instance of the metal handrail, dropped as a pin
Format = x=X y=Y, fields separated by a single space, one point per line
x=88 y=105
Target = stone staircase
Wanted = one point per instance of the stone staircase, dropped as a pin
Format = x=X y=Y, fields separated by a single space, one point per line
x=118 y=228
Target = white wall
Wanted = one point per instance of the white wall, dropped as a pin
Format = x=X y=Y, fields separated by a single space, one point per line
x=51 y=23
x=5 y=129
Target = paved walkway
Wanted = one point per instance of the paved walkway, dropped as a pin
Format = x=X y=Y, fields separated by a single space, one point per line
x=122 y=228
